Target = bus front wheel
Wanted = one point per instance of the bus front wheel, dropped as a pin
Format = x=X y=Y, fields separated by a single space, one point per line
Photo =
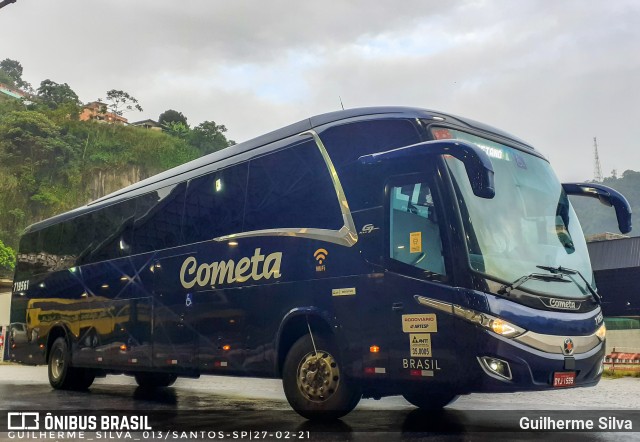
x=314 y=381
x=61 y=375
x=430 y=401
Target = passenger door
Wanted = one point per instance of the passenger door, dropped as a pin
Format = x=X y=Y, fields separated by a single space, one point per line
x=421 y=339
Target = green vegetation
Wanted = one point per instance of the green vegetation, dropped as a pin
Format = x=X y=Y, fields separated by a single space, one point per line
x=12 y=73
x=207 y=137
x=172 y=116
x=121 y=101
x=51 y=162
x=56 y=95
x=7 y=258
x=617 y=374
x=6 y=79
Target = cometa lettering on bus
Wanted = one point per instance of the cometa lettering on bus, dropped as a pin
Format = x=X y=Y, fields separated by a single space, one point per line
x=216 y=272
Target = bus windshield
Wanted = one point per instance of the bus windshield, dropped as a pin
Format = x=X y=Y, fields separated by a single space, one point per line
x=529 y=224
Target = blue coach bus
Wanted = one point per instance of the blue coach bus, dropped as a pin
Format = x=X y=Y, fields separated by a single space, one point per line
x=362 y=253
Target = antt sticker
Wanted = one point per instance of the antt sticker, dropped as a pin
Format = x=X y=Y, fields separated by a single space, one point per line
x=420 y=345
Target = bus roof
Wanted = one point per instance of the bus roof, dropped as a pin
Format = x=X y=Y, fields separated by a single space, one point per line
x=158 y=180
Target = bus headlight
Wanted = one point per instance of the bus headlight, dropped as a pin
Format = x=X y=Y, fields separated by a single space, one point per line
x=602 y=332
x=489 y=322
x=503 y=328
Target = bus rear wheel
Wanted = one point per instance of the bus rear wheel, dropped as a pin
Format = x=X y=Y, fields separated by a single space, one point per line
x=61 y=375
x=155 y=380
x=430 y=400
x=314 y=382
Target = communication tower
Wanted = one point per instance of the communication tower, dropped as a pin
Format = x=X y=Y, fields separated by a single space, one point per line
x=597 y=171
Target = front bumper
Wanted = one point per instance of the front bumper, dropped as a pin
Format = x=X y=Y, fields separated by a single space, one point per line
x=530 y=368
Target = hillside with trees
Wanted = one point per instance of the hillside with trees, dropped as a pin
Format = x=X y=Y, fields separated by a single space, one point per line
x=51 y=162
x=596 y=218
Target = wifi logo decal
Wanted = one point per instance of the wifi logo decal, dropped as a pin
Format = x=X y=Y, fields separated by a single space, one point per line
x=321 y=256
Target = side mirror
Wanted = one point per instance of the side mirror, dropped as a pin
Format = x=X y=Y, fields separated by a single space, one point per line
x=476 y=161
x=608 y=197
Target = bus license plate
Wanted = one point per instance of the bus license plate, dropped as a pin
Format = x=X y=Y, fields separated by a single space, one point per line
x=564 y=379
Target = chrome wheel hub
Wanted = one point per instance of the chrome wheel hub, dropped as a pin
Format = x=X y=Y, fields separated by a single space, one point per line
x=318 y=376
x=57 y=364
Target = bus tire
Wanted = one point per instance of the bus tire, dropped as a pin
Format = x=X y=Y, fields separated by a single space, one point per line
x=61 y=375
x=430 y=401
x=155 y=380
x=83 y=378
x=315 y=384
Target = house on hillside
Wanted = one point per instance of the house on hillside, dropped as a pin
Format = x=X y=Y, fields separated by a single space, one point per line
x=12 y=92
x=97 y=111
x=147 y=124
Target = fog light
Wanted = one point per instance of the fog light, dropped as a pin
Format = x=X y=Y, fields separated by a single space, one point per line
x=495 y=367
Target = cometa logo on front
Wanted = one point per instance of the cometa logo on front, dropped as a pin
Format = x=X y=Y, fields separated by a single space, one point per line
x=562 y=304
x=220 y=272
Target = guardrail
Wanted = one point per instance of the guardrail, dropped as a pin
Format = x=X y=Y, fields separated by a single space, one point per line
x=623 y=359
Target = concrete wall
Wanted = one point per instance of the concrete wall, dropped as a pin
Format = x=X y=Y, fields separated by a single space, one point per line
x=627 y=341
x=5 y=307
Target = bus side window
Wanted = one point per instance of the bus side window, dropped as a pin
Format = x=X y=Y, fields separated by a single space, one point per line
x=158 y=219
x=291 y=188
x=214 y=204
x=113 y=226
x=48 y=247
x=26 y=262
x=414 y=232
x=77 y=238
x=347 y=142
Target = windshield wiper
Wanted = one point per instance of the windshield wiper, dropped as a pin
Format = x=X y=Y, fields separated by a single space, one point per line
x=565 y=271
x=507 y=288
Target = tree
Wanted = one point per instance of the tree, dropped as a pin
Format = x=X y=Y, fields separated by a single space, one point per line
x=7 y=258
x=176 y=129
x=6 y=79
x=13 y=70
x=209 y=137
x=33 y=146
x=55 y=95
x=121 y=102
x=172 y=116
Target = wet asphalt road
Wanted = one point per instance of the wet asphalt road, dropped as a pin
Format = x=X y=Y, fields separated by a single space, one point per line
x=229 y=405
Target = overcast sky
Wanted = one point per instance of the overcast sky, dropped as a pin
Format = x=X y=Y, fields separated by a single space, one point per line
x=555 y=73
